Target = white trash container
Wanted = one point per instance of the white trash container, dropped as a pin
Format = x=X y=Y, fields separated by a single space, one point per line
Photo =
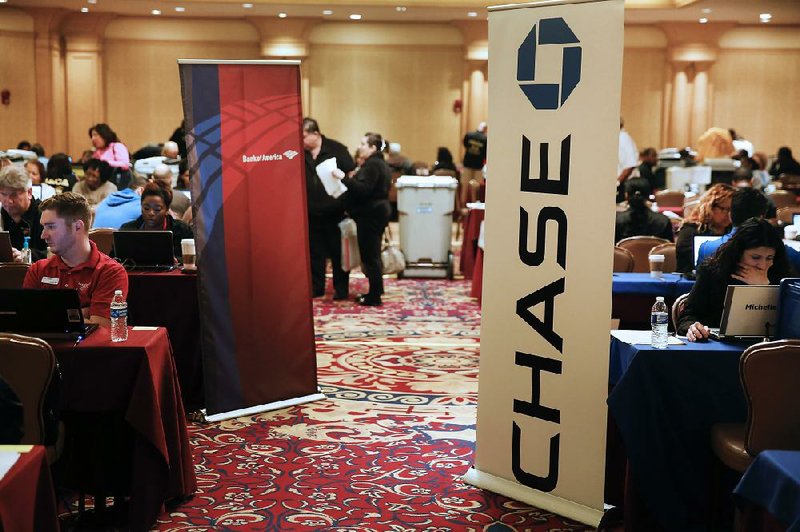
x=425 y=212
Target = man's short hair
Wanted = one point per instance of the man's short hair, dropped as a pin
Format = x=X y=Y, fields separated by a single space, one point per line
x=163 y=173
x=137 y=180
x=69 y=205
x=15 y=177
x=747 y=203
x=310 y=125
x=649 y=151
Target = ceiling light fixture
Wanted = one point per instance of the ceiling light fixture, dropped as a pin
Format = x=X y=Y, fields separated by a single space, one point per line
x=703 y=20
x=282 y=15
x=472 y=14
x=327 y=12
x=355 y=16
x=83 y=9
x=707 y=10
x=91 y=1
x=156 y=12
x=401 y=9
x=765 y=17
x=247 y=6
x=180 y=9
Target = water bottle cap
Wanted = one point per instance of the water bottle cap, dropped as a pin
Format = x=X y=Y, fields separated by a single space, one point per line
x=119 y=293
x=660 y=298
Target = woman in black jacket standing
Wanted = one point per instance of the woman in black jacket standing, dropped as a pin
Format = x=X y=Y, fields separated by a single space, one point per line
x=367 y=201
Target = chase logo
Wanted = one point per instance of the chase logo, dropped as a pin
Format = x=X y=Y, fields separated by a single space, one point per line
x=549 y=95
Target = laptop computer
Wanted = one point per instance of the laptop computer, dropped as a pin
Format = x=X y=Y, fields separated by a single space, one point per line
x=789 y=309
x=750 y=313
x=144 y=250
x=699 y=241
x=6 y=253
x=50 y=314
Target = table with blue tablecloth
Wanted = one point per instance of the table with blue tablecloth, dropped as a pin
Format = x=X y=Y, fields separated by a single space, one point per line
x=665 y=402
x=633 y=295
x=772 y=482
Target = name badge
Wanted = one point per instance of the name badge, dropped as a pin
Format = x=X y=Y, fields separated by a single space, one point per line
x=50 y=280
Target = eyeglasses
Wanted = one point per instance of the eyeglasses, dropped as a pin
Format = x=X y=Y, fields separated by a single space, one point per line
x=723 y=209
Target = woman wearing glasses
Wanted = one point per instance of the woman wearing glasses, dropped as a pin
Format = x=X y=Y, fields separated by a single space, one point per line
x=711 y=217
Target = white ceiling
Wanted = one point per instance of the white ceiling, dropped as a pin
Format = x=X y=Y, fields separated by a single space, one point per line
x=741 y=11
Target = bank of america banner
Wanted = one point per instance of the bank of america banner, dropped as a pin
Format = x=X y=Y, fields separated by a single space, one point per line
x=243 y=121
x=555 y=69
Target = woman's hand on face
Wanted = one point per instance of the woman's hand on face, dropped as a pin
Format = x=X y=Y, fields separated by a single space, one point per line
x=697 y=332
x=750 y=274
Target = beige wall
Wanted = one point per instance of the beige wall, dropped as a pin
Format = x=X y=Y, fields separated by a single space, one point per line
x=643 y=77
x=18 y=119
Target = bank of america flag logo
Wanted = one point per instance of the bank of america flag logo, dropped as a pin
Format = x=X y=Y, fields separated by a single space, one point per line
x=290 y=154
x=547 y=94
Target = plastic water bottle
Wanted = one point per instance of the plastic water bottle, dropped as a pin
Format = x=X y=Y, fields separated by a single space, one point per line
x=659 y=320
x=119 y=318
x=26 y=251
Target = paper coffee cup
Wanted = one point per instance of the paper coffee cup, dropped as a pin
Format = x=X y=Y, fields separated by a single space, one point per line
x=656 y=265
x=188 y=251
x=790 y=232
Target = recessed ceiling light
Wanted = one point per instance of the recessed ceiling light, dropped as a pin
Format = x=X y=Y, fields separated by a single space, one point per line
x=703 y=20
x=180 y=9
x=282 y=15
x=765 y=17
x=355 y=16
x=3 y=1
x=401 y=9
x=247 y=6
x=327 y=12
x=156 y=12
x=707 y=10
x=91 y=1
x=83 y=9
x=472 y=14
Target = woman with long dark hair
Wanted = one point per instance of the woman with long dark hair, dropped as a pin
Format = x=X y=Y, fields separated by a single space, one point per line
x=367 y=201
x=638 y=219
x=753 y=255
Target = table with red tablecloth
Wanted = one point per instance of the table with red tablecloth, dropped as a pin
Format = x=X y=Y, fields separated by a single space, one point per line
x=138 y=379
x=169 y=299
x=477 y=277
x=469 y=244
x=27 y=499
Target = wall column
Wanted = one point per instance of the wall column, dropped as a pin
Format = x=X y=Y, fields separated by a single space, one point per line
x=475 y=91
x=85 y=77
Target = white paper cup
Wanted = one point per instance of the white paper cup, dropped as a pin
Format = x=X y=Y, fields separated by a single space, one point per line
x=656 y=265
x=188 y=251
x=790 y=232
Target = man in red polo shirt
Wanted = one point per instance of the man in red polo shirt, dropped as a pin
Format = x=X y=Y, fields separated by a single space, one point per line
x=76 y=262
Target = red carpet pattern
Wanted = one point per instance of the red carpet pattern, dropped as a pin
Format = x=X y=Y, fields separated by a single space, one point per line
x=385 y=451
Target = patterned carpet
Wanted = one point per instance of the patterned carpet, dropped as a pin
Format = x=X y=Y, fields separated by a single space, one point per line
x=385 y=451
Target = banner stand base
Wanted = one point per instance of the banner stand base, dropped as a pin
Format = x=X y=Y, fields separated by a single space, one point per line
x=545 y=501
x=277 y=405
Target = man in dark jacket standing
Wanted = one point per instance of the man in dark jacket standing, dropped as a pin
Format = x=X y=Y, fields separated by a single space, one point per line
x=324 y=211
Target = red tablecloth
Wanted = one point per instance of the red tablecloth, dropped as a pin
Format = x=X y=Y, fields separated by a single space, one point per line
x=27 y=499
x=169 y=299
x=469 y=246
x=138 y=378
x=477 y=277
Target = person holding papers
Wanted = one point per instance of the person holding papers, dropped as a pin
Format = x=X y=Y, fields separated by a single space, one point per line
x=754 y=255
x=325 y=208
x=367 y=201
x=76 y=261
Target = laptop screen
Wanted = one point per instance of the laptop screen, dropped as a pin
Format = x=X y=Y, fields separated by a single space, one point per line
x=750 y=311
x=796 y=220
x=698 y=241
x=6 y=255
x=789 y=309
x=144 y=249
x=40 y=310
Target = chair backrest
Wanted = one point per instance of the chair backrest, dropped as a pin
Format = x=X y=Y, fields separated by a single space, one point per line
x=640 y=246
x=103 y=237
x=12 y=274
x=444 y=171
x=783 y=198
x=28 y=365
x=670 y=198
x=668 y=250
x=677 y=308
x=769 y=373
x=785 y=214
x=623 y=260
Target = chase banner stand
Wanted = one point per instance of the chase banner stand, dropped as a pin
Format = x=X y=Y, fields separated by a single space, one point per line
x=554 y=97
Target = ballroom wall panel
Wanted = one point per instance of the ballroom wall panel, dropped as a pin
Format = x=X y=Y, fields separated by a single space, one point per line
x=18 y=119
x=644 y=72
x=405 y=93
x=757 y=92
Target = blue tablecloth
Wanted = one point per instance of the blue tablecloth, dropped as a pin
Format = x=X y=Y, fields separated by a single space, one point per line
x=773 y=482
x=644 y=285
x=664 y=403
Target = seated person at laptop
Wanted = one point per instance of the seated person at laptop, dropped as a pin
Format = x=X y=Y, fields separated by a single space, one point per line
x=76 y=261
x=711 y=217
x=156 y=199
x=122 y=206
x=754 y=255
x=639 y=220
x=95 y=186
x=19 y=212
